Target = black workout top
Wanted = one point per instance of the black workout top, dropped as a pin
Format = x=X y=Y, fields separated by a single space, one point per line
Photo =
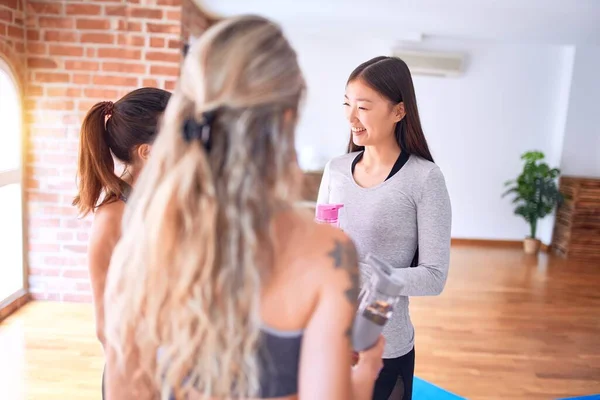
x=278 y=362
x=400 y=161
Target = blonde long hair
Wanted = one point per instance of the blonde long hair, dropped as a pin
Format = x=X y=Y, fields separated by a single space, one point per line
x=186 y=277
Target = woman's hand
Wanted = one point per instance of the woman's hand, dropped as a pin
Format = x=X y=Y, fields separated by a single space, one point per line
x=366 y=371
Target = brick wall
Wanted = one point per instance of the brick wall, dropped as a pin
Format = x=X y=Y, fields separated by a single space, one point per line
x=12 y=37
x=79 y=53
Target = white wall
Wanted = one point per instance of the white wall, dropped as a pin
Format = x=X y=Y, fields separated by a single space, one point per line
x=581 y=151
x=509 y=101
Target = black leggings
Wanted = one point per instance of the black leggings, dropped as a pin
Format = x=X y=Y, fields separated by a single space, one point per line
x=396 y=372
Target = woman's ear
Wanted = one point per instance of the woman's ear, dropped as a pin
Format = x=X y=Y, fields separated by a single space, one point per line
x=399 y=111
x=143 y=152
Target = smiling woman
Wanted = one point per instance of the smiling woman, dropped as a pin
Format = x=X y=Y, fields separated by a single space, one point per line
x=396 y=205
x=12 y=281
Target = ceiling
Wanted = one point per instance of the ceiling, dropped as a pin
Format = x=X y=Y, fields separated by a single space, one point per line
x=548 y=21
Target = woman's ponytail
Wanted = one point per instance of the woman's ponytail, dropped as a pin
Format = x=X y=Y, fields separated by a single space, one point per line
x=96 y=166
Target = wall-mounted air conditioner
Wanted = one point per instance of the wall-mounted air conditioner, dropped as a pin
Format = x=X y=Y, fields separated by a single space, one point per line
x=432 y=63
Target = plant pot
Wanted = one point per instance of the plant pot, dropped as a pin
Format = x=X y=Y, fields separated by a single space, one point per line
x=531 y=245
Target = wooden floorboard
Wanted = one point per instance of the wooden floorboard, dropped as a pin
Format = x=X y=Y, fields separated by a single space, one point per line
x=508 y=326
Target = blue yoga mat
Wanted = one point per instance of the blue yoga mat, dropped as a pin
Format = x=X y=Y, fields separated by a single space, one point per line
x=590 y=397
x=423 y=390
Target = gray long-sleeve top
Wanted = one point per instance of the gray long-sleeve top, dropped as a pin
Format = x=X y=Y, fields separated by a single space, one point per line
x=410 y=209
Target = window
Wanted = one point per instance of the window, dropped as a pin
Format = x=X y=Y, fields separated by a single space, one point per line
x=12 y=282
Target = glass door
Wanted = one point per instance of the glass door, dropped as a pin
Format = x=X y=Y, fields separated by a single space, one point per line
x=12 y=280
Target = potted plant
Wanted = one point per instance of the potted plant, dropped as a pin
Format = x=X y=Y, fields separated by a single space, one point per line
x=536 y=194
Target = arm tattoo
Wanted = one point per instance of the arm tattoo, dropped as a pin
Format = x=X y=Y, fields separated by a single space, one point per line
x=344 y=257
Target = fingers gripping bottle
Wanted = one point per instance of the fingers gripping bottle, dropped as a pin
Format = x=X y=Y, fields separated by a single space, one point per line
x=328 y=214
x=376 y=303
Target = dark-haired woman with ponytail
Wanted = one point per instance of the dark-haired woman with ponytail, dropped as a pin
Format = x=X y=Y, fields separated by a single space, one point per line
x=124 y=131
x=396 y=204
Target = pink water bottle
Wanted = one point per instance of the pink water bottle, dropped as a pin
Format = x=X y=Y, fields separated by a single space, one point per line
x=328 y=214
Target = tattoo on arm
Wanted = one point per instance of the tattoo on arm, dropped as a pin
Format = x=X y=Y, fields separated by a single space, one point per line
x=344 y=257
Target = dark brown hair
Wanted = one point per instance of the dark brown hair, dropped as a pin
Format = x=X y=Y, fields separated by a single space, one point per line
x=114 y=130
x=391 y=78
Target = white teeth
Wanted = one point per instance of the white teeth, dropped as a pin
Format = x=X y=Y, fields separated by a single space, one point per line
x=357 y=129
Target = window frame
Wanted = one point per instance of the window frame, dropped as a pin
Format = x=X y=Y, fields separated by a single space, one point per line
x=16 y=176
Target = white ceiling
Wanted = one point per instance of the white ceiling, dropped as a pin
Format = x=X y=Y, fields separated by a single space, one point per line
x=548 y=21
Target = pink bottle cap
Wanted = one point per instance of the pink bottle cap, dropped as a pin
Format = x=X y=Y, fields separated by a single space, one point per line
x=328 y=212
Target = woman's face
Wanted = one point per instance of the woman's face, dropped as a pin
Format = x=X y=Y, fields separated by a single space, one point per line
x=372 y=117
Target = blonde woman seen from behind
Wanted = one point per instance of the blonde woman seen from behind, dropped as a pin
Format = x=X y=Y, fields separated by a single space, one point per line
x=219 y=287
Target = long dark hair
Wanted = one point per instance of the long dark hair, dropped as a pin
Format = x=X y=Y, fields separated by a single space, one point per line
x=114 y=130
x=391 y=77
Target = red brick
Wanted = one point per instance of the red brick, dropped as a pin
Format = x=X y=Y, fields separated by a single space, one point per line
x=63 y=50
x=76 y=248
x=174 y=44
x=33 y=35
x=64 y=92
x=56 y=22
x=150 y=83
x=55 y=260
x=44 y=271
x=169 y=2
x=90 y=52
x=44 y=8
x=102 y=38
x=120 y=53
x=2 y=29
x=20 y=47
x=99 y=93
x=34 y=90
x=37 y=48
x=85 y=105
x=60 y=36
x=16 y=32
x=37 y=62
x=83 y=9
x=160 y=70
x=44 y=247
x=170 y=85
x=130 y=40
x=124 y=67
x=163 y=56
x=157 y=42
x=146 y=13
x=76 y=273
x=129 y=26
x=174 y=15
x=112 y=80
x=83 y=236
x=76 y=65
x=93 y=24
x=42 y=222
x=6 y=15
x=82 y=79
x=51 y=77
x=119 y=11
x=162 y=28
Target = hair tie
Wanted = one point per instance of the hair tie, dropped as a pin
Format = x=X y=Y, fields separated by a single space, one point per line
x=194 y=130
x=108 y=107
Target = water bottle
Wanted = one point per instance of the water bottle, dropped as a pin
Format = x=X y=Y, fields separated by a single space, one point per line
x=328 y=214
x=376 y=303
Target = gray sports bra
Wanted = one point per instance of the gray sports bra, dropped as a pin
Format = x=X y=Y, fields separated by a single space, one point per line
x=279 y=362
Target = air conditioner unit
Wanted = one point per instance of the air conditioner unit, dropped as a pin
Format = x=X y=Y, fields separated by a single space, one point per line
x=432 y=63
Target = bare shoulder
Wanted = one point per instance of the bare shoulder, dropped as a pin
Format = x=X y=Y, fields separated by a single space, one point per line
x=107 y=221
x=328 y=253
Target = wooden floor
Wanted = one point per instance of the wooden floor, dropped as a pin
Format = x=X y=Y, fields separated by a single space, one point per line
x=507 y=326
